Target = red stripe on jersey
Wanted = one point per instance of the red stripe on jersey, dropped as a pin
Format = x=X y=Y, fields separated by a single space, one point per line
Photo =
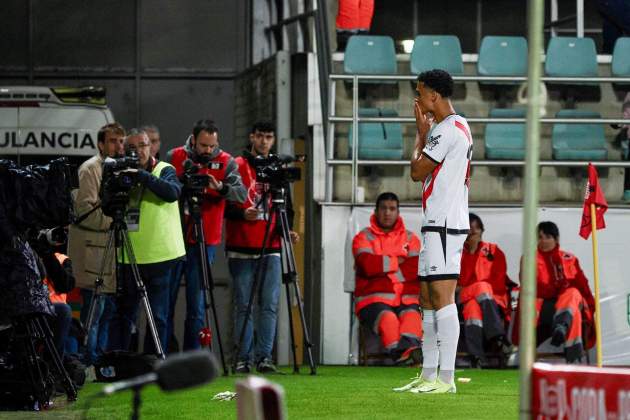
x=427 y=193
x=463 y=128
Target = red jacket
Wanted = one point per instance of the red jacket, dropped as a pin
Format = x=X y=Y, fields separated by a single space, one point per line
x=486 y=264
x=379 y=275
x=213 y=203
x=246 y=236
x=558 y=270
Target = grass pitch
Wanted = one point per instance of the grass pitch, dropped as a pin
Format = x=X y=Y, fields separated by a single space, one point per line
x=336 y=392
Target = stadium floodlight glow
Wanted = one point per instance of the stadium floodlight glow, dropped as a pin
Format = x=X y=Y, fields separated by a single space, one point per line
x=407 y=45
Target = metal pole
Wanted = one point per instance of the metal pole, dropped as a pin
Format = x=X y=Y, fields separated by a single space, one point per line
x=579 y=13
x=355 y=137
x=527 y=345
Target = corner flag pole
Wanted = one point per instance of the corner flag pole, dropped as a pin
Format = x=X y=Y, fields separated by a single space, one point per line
x=527 y=345
x=598 y=314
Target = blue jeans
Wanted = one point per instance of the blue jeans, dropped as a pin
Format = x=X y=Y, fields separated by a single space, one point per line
x=195 y=302
x=243 y=271
x=98 y=336
x=156 y=278
x=61 y=326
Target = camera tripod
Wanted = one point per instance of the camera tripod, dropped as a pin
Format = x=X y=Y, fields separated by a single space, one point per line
x=207 y=281
x=278 y=212
x=29 y=332
x=119 y=239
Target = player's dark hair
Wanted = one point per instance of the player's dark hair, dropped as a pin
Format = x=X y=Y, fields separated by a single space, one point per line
x=549 y=228
x=438 y=80
x=387 y=196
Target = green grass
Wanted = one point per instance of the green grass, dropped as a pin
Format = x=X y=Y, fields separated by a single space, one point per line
x=335 y=393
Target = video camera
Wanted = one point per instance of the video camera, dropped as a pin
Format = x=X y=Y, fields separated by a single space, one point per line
x=273 y=169
x=119 y=177
x=194 y=182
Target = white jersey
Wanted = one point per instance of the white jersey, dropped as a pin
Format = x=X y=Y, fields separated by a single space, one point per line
x=445 y=190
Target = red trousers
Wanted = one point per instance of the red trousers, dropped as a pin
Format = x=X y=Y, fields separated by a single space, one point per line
x=398 y=327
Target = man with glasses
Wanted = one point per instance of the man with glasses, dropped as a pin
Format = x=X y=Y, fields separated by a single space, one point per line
x=156 y=237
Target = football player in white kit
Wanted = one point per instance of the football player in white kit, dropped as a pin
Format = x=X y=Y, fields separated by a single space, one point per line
x=441 y=161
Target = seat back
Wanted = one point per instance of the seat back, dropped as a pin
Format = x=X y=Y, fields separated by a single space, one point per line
x=378 y=140
x=571 y=57
x=370 y=54
x=436 y=52
x=578 y=141
x=505 y=140
x=502 y=56
x=621 y=58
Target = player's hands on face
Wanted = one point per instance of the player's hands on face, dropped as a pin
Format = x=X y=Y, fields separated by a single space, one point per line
x=251 y=214
x=423 y=121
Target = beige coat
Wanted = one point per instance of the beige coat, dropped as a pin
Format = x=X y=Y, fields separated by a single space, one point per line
x=86 y=242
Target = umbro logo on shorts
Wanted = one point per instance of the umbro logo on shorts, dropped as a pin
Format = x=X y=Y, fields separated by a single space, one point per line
x=433 y=268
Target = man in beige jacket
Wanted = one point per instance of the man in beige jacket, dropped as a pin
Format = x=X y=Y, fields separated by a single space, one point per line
x=87 y=240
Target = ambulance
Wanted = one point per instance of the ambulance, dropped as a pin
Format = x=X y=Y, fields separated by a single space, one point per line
x=38 y=124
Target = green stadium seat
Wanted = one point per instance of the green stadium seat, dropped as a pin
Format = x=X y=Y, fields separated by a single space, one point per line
x=369 y=54
x=621 y=58
x=437 y=52
x=578 y=141
x=502 y=56
x=505 y=141
x=571 y=57
x=378 y=140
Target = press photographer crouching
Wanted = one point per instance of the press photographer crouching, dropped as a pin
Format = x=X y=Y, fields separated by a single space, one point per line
x=245 y=232
x=210 y=176
x=87 y=240
x=155 y=236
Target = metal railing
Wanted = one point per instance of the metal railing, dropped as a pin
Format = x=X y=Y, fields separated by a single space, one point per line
x=355 y=162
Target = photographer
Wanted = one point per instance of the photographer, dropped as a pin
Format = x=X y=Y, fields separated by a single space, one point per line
x=87 y=241
x=201 y=156
x=156 y=238
x=245 y=231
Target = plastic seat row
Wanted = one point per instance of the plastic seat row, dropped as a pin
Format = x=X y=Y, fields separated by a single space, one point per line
x=506 y=141
x=498 y=56
x=503 y=141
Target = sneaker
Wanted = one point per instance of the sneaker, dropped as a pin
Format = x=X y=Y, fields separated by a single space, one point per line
x=266 y=366
x=412 y=353
x=417 y=381
x=242 y=367
x=437 y=387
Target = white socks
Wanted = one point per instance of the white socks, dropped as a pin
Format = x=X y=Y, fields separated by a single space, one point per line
x=447 y=338
x=430 y=353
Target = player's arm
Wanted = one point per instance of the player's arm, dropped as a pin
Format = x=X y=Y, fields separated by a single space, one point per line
x=421 y=166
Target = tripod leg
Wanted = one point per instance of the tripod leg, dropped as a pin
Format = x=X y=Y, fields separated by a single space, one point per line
x=99 y=280
x=142 y=291
x=296 y=368
x=218 y=332
x=45 y=332
x=37 y=377
x=290 y=276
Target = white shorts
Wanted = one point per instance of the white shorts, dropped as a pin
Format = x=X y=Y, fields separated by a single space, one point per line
x=441 y=253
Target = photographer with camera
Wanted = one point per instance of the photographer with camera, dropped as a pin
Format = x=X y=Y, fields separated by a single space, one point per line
x=155 y=235
x=210 y=177
x=87 y=240
x=245 y=232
